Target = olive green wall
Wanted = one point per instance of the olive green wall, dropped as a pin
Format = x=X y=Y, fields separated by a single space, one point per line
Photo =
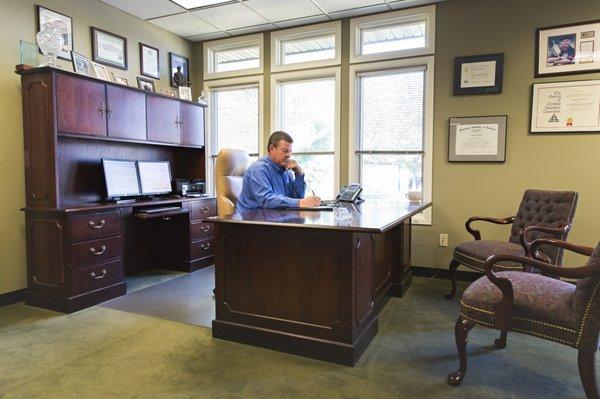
x=18 y=19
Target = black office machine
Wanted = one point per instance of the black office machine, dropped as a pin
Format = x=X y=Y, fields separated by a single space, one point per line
x=189 y=187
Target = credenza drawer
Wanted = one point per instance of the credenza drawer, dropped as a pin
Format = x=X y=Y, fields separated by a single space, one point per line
x=202 y=230
x=94 y=252
x=95 y=277
x=203 y=248
x=203 y=209
x=94 y=225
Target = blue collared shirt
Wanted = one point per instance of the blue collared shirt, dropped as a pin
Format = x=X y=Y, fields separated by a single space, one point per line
x=268 y=185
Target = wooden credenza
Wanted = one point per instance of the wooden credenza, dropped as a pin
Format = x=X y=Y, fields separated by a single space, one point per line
x=79 y=248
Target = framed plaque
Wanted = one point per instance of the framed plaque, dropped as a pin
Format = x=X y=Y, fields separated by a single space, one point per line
x=149 y=61
x=477 y=139
x=109 y=49
x=478 y=74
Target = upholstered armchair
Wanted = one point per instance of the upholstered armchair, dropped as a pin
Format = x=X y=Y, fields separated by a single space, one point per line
x=537 y=305
x=541 y=213
x=230 y=168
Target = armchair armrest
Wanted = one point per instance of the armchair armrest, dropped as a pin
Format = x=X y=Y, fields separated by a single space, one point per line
x=580 y=249
x=475 y=233
x=526 y=244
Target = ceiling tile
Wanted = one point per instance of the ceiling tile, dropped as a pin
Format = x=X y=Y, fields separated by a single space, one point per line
x=208 y=36
x=231 y=16
x=359 y=11
x=302 y=21
x=251 y=29
x=146 y=8
x=338 y=5
x=278 y=10
x=411 y=3
x=184 y=25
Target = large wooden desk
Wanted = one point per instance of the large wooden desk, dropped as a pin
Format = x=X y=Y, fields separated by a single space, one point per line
x=302 y=283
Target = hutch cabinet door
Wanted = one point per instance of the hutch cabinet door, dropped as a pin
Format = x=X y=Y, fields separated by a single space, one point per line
x=81 y=106
x=192 y=124
x=162 y=116
x=126 y=113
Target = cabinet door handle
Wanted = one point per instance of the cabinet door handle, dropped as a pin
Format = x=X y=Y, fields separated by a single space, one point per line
x=166 y=218
x=177 y=122
x=97 y=252
x=108 y=111
x=102 y=109
x=98 y=276
x=205 y=228
x=205 y=245
x=205 y=209
x=95 y=225
x=180 y=122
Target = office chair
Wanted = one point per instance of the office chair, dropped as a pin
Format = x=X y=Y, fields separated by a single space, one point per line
x=229 y=177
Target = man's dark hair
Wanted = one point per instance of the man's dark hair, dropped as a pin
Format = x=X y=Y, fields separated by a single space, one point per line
x=276 y=137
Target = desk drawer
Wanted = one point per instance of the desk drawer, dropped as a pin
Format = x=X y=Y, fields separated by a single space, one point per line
x=202 y=230
x=203 y=209
x=95 y=277
x=94 y=252
x=203 y=248
x=94 y=225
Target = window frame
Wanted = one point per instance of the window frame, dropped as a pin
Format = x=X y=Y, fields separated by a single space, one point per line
x=353 y=123
x=305 y=32
x=230 y=83
x=401 y=17
x=306 y=75
x=210 y=48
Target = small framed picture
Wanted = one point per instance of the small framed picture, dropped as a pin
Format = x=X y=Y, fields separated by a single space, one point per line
x=149 y=61
x=477 y=139
x=568 y=49
x=120 y=79
x=81 y=64
x=180 y=70
x=63 y=23
x=100 y=71
x=478 y=74
x=145 y=84
x=109 y=49
x=185 y=93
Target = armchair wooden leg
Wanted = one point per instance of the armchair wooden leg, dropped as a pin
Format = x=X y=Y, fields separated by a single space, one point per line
x=461 y=332
x=453 y=266
x=500 y=343
x=586 y=359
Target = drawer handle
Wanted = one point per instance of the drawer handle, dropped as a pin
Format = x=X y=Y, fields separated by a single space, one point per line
x=98 y=276
x=205 y=209
x=96 y=252
x=95 y=225
x=166 y=218
x=205 y=245
x=205 y=228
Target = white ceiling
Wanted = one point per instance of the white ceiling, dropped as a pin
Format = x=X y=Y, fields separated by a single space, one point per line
x=241 y=17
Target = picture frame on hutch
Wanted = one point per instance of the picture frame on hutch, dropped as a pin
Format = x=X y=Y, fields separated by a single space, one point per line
x=146 y=84
x=477 y=139
x=109 y=49
x=478 y=74
x=63 y=23
x=120 y=79
x=100 y=71
x=149 y=61
x=81 y=64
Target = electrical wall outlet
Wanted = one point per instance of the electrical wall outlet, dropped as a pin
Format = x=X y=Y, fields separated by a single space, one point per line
x=443 y=240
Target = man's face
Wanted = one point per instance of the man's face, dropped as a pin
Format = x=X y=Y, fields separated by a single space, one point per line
x=565 y=43
x=281 y=153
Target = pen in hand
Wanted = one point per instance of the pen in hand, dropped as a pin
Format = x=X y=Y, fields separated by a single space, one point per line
x=312 y=191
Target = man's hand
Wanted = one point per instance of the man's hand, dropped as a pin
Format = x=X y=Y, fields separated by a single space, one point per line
x=313 y=200
x=293 y=165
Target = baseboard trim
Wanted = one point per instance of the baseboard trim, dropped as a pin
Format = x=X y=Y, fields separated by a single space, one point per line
x=433 y=272
x=9 y=298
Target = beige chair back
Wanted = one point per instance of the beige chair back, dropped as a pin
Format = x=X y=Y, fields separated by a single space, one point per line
x=229 y=177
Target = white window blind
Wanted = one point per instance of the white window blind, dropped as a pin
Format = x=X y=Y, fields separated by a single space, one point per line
x=236 y=59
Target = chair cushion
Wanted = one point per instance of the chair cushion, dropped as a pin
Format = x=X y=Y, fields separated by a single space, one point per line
x=474 y=254
x=541 y=307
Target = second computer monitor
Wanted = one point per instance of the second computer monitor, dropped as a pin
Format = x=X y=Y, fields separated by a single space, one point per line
x=155 y=177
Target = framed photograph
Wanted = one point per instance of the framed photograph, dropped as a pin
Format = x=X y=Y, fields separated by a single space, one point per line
x=100 y=71
x=149 y=61
x=109 y=49
x=478 y=74
x=570 y=107
x=120 y=79
x=64 y=25
x=81 y=64
x=477 y=139
x=179 y=66
x=145 y=84
x=568 y=49
x=185 y=93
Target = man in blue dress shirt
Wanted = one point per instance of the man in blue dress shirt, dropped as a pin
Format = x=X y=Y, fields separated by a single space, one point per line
x=275 y=180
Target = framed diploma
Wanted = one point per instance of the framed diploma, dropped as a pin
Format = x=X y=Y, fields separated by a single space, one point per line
x=109 y=49
x=568 y=49
x=478 y=74
x=477 y=139
x=149 y=61
x=566 y=107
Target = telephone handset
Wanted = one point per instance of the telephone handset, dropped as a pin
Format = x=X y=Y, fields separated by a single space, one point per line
x=349 y=193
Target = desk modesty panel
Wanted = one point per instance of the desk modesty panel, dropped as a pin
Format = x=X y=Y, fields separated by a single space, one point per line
x=302 y=283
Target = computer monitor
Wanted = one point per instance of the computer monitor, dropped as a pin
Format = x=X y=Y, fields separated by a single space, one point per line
x=121 y=178
x=155 y=177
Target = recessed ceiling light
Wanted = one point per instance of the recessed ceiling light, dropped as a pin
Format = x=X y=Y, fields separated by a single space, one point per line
x=190 y=4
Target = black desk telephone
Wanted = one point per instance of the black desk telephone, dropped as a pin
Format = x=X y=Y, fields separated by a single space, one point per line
x=349 y=193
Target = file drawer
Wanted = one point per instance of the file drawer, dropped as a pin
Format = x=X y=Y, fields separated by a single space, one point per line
x=201 y=230
x=203 y=209
x=94 y=252
x=95 y=277
x=203 y=248
x=94 y=225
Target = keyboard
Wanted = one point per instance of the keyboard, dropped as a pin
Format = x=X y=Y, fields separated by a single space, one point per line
x=160 y=209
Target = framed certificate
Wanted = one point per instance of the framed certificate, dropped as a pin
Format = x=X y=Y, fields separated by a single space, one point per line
x=149 y=61
x=478 y=74
x=477 y=139
x=566 y=107
x=109 y=49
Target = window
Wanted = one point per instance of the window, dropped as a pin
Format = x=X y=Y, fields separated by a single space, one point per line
x=392 y=35
x=392 y=128
x=307 y=107
x=306 y=47
x=233 y=57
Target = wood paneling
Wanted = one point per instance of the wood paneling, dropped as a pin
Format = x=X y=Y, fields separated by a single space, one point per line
x=126 y=110
x=162 y=116
x=192 y=124
x=80 y=106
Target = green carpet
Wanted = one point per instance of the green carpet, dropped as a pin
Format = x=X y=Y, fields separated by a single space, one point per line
x=107 y=353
